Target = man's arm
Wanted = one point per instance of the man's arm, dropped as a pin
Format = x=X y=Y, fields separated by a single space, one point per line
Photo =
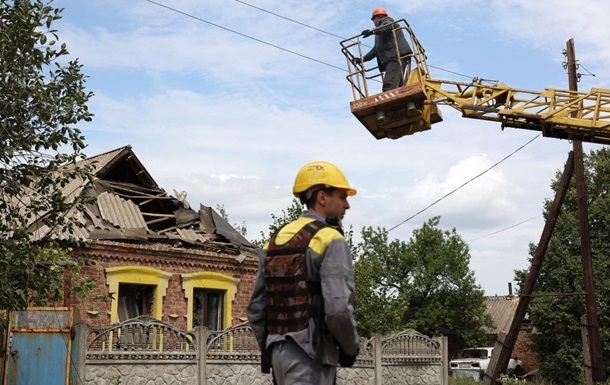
x=256 y=311
x=257 y=316
x=337 y=281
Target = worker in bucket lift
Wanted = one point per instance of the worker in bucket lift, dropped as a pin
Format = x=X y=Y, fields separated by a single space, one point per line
x=385 y=49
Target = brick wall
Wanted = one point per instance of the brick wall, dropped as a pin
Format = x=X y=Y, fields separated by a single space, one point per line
x=95 y=308
x=522 y=350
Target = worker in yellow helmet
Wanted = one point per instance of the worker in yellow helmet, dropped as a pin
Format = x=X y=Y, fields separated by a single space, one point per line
x=300 y=310
x=385 y=49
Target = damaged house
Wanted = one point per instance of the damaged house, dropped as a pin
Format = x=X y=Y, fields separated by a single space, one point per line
x=150 y=253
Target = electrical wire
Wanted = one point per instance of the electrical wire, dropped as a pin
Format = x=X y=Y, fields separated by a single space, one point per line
x=502 y=230
x=464 y=184
x=245 y=35
x=291 y=20
x=451 y=72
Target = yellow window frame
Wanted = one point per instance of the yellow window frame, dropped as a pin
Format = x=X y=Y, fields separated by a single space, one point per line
x=213 y=281
x=142 y=275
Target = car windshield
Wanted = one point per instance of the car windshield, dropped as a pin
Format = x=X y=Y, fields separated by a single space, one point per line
x=474 y=353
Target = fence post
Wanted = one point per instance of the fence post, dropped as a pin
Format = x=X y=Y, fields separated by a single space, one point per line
x=78 y=355
x=377 y=358
x=445 y=359
x=202 y=338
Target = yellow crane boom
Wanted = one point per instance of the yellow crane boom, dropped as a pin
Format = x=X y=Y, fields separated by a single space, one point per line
x=563 y=114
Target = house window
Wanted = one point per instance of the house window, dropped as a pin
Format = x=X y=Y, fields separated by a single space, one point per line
x=210 y=299
x=136 y=290
x=207 y=308
x=135 y=300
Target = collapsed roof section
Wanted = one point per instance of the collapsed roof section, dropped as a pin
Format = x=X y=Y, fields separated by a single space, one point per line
x=128 y=205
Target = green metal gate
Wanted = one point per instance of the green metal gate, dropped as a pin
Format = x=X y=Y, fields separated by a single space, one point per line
x=38 y=349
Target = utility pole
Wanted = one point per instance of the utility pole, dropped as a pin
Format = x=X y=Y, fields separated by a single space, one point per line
x=505 y=343
x=595 y=349
x=573 y=167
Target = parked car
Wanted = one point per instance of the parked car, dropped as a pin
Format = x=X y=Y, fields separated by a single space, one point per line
x=473 y=362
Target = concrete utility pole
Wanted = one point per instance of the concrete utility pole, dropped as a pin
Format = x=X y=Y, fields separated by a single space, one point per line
x=595 y=348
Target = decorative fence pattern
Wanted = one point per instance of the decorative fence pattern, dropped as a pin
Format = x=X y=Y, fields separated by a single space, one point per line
x=144 y=350
x=143 y=338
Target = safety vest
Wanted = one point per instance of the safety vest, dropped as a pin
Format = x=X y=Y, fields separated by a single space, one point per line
x=291 y=298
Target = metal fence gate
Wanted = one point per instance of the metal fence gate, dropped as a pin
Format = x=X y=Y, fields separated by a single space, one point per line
x=38 y=348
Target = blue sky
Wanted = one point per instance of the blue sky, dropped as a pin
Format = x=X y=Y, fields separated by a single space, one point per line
x=213 y=107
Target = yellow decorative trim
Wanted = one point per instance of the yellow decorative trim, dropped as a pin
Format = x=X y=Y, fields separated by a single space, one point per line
x=137 y=275
x=210 y=280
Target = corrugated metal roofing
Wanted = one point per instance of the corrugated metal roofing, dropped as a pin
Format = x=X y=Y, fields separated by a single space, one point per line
x=120 y=212
x=502 y=310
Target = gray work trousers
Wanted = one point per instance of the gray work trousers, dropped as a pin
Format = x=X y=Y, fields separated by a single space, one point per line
x=292 y=366
x=393 y=76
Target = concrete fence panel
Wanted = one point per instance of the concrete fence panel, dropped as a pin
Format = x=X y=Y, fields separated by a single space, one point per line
x=144 y=350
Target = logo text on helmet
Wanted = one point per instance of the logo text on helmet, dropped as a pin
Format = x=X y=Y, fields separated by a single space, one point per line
x=315 y=167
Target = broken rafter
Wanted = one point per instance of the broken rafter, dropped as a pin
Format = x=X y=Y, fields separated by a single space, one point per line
x=157 y=220
x=133 y=187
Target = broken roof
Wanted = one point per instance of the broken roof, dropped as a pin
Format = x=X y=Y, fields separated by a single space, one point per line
x=128 y=205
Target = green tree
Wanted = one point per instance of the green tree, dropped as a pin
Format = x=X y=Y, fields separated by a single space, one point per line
x=556 y=313
x=289 y=214
x=42 y=98
x=424 y=284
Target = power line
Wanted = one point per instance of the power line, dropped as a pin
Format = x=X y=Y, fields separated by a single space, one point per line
x=244 y=35
x=451 y=72
x=502 y=230
x=464 y=184
x=289 y=19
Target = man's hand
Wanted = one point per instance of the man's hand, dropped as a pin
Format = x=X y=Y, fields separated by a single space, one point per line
x=357 y=60
x=346 y=361
x=366 y=33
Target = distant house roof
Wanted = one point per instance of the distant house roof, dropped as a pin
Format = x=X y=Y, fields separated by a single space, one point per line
x=128 y=205
x=502 y=309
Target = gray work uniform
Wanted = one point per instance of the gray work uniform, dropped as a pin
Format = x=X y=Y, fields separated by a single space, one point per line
x=310 y=356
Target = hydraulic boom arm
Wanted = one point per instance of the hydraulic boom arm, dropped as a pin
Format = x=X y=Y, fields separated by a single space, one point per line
x=563 y=114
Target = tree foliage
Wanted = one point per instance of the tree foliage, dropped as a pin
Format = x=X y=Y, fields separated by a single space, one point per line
x=42 y=98
x=557 y=315
x=278 y=221
x=424 y=284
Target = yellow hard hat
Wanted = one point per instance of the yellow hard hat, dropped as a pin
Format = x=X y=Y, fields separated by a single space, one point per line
x=320 y=173
x=379 y=11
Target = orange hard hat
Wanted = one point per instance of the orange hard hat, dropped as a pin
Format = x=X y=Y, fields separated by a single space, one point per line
x=379 y=11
